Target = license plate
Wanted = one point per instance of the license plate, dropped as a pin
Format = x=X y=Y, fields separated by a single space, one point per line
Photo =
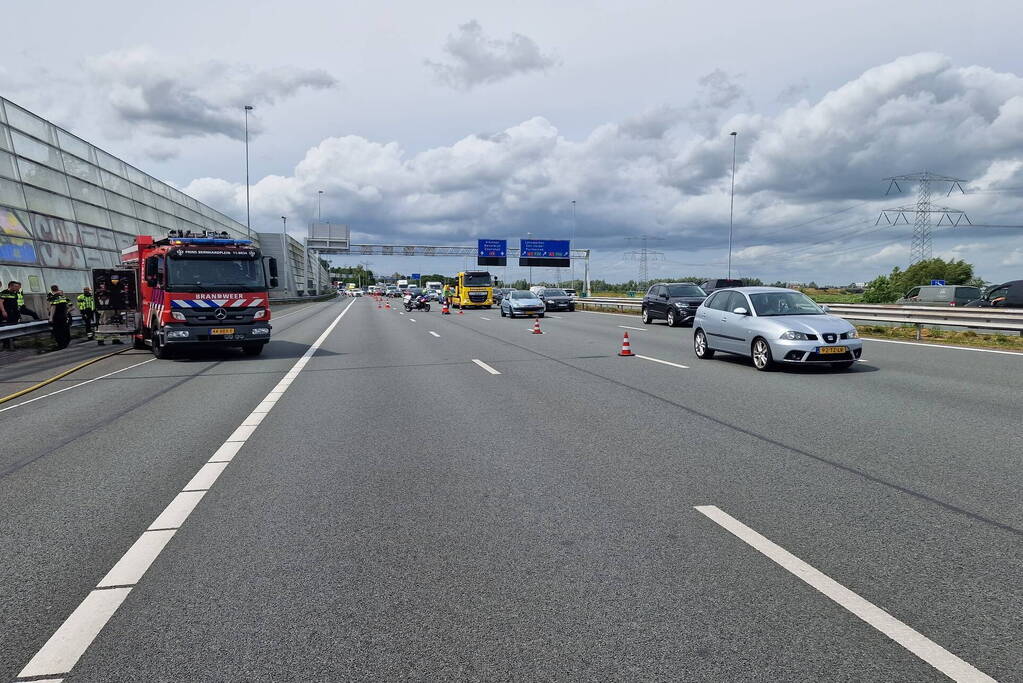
x=222 y=330
x=834 y=349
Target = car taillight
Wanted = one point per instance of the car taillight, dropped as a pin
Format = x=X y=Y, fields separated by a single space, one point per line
x=951 y=303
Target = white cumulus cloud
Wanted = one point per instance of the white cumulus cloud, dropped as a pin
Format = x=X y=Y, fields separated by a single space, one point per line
x=473 y=58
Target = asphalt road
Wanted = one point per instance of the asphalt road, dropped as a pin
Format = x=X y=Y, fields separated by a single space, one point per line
x=395 y=510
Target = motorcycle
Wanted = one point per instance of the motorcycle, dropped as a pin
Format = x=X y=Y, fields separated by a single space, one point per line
x=417 y=304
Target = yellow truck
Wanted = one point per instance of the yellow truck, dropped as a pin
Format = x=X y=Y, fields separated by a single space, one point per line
x=474 y=288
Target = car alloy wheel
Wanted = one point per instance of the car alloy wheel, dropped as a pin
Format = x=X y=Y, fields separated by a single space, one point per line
x=762 y=355
x=646 y=316
x=672 y=319
x=700 y=345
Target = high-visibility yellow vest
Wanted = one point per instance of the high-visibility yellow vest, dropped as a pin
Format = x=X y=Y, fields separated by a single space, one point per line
x=85 y=302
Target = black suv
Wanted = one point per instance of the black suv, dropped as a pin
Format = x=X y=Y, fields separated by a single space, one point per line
x=675 y=302
x=556 y=299
x=719 y=283
x=1005 y=295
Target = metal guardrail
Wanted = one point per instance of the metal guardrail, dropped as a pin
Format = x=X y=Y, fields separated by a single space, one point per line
x=43 y=326
x=1009 y=320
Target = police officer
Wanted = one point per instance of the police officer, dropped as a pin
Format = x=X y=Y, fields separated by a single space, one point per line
x=60 y=316
x=12 y=305
x=87 y=307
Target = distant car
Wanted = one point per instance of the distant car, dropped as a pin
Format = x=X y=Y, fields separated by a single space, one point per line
x=432 y=295
x=392 y=291
x=499 y=293
x=572 y=293
x=358 y=292
x=556 y=299
x=1005 y=295
x=940 y=295
x=719 y=283
x=674 y=302
x=521 y=302
x=773 y=325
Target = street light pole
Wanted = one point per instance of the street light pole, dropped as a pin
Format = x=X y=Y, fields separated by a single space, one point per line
x=248 y=211
x=530 y=283
x=572 y=243
x=319 y=204
x=731 y=206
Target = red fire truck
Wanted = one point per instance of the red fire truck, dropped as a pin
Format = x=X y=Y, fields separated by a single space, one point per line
x=198 y=290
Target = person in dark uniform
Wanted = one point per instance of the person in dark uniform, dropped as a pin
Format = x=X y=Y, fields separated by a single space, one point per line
x=12 y=305
x=60 y=316
x=87 y=308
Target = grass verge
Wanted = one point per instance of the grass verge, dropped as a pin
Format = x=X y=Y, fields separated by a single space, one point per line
x=952 y=337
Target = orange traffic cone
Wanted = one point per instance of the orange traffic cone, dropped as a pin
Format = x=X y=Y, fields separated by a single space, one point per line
x=626 y=349
x=444 y=309
x=388 y=305
x=536 y=326
x=460 y=310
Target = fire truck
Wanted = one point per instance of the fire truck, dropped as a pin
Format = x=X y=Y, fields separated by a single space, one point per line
x=200 y=290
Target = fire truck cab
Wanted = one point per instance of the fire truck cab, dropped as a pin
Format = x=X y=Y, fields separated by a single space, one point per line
x=200 y=290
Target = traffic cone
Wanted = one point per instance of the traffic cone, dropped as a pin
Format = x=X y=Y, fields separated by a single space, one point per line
x=536 y=326
x=626 y=349
x=444 y=309
x=388 y=306
x=460 y=311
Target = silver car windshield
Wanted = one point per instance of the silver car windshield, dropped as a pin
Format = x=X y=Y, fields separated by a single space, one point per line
x=784 y=303
x=522 y=295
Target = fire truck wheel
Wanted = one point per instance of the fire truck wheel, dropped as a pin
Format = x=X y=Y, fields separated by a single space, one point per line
x=253 y=349
x=159 y=350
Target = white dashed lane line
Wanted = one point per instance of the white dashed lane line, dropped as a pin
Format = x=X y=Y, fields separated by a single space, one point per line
x=638 y=329
x=663 y=362
x=67 y=644
x=484 y=318
x=914 y=641
x=486 y=367
x=434 y=333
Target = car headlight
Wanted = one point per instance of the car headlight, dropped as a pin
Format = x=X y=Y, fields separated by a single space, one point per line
x=177 y=334
x=260 y=314
x=793 y=335
x=852 y=334
x=681 y=305
x=260 y=330
x=177 y=315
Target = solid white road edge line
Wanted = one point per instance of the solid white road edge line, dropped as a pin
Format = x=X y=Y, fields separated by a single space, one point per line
x=944 y=346
x=74 y=386
x=434 y=333
x=624 y=315
x=486 y=367
x=61 y=652
x=914 y=641
x=638 y=329
x=658 y=360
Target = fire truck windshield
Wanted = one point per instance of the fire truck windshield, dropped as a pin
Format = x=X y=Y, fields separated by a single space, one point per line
x=199 y=275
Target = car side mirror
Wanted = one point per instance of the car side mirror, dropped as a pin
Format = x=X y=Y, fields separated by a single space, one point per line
x=825 y=308
x=740 y=311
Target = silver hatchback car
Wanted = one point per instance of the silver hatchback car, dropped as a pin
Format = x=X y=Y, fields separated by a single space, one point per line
x=773 y=325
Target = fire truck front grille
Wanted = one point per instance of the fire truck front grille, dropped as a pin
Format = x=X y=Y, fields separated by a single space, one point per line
x=207 y=316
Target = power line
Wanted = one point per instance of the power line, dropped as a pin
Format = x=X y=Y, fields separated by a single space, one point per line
x=921 y=247
x=644 y=255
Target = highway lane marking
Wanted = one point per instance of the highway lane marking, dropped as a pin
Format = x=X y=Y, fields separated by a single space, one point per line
x=638 y=329
x=61 y=652
x=74 y=386
x=69 y=642
x=658 y=360
x=484 y=318
x=486 y=367
x=914 y=641
x=411 y=320
x=944 y=346
x=434 y=333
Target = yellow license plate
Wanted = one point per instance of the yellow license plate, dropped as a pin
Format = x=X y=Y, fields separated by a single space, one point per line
x=222 y=330
x=834 y=349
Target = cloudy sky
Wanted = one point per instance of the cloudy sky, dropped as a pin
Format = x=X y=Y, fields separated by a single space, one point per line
x=437 y=123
